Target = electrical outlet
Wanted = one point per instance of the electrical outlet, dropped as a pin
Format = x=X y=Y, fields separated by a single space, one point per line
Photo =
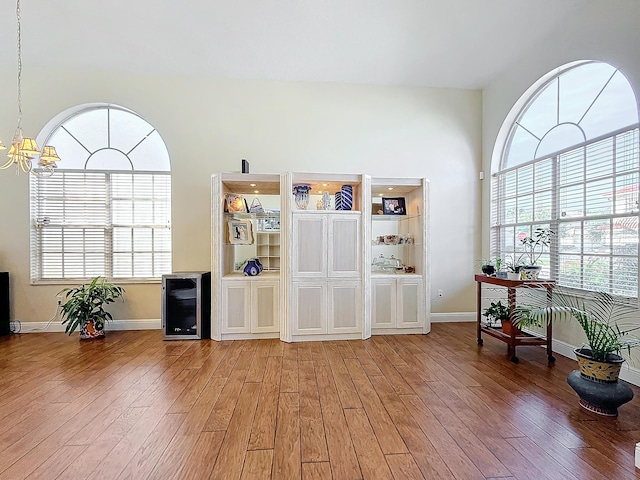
x=440 y=294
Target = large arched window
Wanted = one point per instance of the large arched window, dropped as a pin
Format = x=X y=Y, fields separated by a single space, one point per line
x=571 y=163
x=107 y=208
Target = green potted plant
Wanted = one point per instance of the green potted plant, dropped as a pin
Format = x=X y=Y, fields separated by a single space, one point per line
x=609 y=325
x=497 y=312
x=84 y=307
x=534 y=246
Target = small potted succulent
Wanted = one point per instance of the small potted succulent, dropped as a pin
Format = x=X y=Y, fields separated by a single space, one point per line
x=84 y=307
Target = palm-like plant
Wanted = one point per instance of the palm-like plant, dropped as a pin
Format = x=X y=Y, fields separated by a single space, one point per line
x=608 y=323
x=86 y=302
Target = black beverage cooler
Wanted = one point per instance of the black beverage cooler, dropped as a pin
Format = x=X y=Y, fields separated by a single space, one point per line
x=186 y=305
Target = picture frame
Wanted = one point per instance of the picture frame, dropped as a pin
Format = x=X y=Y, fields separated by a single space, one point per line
x=393 y=206
x=240 y=232
x=235 y=203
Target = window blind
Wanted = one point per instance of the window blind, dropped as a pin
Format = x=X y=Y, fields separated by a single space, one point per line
x=588 y=195
x=90 y=223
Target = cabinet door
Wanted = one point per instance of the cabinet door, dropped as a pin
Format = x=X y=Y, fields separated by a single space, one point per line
x=265 y=307
x=236 y=307
x=410 y=294
x=309 y=308
x=383 y=312
x=344 y=246
x=309 y=246
x=345 y=307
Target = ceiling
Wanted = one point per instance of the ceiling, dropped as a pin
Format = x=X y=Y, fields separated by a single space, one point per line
x=440 y=43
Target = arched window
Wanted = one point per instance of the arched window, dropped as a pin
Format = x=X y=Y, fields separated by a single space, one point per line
x=571 y=163
x=107 y=208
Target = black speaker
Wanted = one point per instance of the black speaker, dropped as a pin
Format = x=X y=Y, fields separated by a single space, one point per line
x=186 y=305
x=5 y=308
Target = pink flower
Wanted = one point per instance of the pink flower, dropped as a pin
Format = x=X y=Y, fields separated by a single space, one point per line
x=522 y=236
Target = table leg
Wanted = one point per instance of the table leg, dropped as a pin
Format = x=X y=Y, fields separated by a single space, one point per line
x=478 y=313
x=550 y=356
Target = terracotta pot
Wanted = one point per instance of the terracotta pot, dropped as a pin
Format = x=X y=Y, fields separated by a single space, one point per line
x=507 y=326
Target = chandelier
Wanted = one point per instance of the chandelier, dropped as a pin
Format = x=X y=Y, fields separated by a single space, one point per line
x=24 y=149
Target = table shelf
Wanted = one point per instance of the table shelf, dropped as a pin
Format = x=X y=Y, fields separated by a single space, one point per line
x=523 y=338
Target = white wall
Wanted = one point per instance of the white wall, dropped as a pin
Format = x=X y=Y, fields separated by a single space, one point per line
x=209 y=125
x=605 y=31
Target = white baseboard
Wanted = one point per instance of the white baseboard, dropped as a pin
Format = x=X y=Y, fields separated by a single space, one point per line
x=142 y=324
x=453 y=317
x=628 y=373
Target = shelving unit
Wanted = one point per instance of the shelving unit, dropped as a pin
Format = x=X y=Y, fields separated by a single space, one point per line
x=515 y=337
x=318 y=282
x=326 y=265
x=398 y=261
x=244 y=306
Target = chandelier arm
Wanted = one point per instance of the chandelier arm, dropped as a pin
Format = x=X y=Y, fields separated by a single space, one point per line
x=8 y=164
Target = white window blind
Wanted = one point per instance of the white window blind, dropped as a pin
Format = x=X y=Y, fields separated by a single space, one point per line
x=589 y=196
x=91 y=217
x=571 y=164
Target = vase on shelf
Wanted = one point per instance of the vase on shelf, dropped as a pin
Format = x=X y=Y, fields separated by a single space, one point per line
x=347 y=197
x=301 y=192
x=338 y=200
x=326 y=201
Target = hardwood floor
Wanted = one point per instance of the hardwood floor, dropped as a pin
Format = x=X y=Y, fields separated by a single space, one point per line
x=417 y=406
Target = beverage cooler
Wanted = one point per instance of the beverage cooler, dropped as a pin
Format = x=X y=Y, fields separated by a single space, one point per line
x=186 y=305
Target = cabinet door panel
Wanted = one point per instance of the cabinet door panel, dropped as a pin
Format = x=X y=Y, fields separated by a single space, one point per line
x=345 y=302
x=409 y=300
x=344 y=251
x=383 y=313
x=236 y=307
x=264 y=307
x=310 y=300
x=309 y=255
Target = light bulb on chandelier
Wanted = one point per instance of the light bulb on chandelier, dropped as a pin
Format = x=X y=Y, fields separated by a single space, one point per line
x=24 y=149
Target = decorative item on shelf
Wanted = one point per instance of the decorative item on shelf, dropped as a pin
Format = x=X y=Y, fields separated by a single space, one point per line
x=338 y=200
x=240 y=232
x=319 y=204
x=347 y=197
x=301 y=192
x=609 y=325
x=534 y=247
x=84 y=307
x=376 y=208
x=393 y=206
x=256 y=206
x=253 y=267
x=235 y=203
x=326 y=201
x=409 y=269
x=488 y=269
x=497 y=312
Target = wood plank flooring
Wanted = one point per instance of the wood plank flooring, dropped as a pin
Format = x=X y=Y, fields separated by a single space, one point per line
x=433 y=406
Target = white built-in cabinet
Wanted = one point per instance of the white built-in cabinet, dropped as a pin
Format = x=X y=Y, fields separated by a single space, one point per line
x=250 y=306
x=323 y=278
x=397 y=303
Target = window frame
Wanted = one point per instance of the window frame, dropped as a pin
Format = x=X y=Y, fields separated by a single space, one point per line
x=39 y=224
x=499 y=228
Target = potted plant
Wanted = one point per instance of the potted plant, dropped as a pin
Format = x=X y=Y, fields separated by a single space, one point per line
x=534 y=247
x=84 y=307
x=497 y=312
x=609 y=325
